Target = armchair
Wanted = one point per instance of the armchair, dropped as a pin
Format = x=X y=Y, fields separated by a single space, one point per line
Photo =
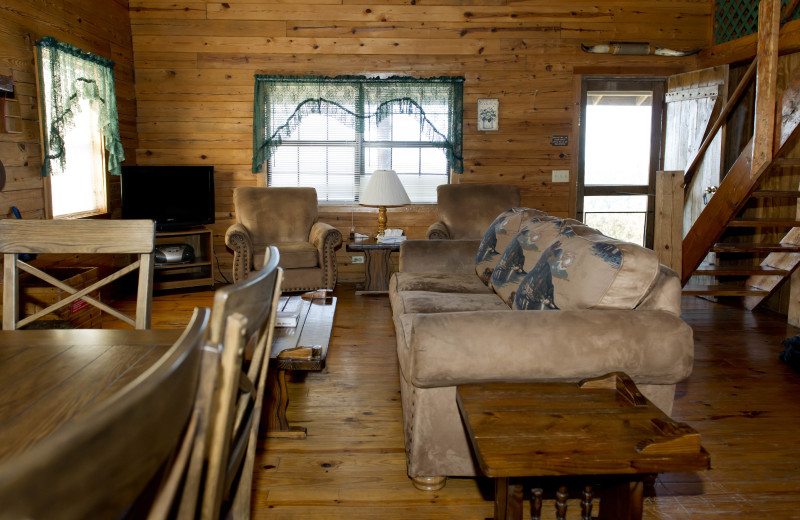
x=286 y=218
x=466 y=210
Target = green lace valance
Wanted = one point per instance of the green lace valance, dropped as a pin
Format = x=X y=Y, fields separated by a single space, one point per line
x=281 y=103
x=67 y=75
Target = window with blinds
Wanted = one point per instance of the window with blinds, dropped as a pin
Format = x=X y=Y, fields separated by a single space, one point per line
x=331 y=135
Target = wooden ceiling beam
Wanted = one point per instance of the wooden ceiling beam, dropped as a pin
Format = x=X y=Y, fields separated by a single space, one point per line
x=744 y=49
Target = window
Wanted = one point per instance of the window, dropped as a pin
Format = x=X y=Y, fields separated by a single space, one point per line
x=332 y=133
x=79 y=124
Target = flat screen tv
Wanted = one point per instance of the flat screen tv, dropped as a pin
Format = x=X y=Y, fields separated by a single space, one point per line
x=176 y=197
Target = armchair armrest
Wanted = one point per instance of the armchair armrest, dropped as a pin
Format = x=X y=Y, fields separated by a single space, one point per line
x=446 y=349
x=434 y=256
x=238 y=238
x=326 y=239
x=438 y=231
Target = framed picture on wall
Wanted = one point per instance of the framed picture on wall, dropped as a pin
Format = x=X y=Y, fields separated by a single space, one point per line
x=488 y=114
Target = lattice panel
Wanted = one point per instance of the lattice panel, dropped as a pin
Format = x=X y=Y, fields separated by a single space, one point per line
x=736 y=18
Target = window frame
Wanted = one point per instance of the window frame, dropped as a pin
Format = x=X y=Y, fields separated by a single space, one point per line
x=361 y=143
x=101 y=156
x=102 y=209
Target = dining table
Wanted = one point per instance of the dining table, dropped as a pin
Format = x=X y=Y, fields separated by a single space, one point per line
x=49 y=378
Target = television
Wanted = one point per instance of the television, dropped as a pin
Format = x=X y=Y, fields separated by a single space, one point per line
x=176 y=197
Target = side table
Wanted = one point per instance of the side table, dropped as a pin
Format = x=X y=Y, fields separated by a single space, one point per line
x=376 y=264
x=602 y=426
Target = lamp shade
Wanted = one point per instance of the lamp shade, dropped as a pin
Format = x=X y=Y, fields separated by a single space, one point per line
x=384 y=189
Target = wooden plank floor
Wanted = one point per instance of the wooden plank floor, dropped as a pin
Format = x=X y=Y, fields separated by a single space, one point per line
x=740 y=397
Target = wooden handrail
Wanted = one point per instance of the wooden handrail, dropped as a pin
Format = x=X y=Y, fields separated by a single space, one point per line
x=723 y=116
x=788 y=9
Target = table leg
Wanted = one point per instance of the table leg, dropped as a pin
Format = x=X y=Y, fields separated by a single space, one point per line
x=623 y=501
x=561 y=503
x=507 y=499
x=536 y=503
x=376 y=271
x=273 y=414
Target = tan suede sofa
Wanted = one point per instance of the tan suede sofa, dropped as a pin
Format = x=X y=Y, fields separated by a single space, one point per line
x=538 y=299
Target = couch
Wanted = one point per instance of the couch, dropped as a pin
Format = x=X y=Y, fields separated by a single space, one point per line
x=537 y=299
x=484 y=203
x=286 y=218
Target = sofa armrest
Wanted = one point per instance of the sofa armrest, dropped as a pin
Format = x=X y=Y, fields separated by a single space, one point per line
x=435 y=256
x=327 y=239
x=238 y=238
x=438 y=231
x=446 y=349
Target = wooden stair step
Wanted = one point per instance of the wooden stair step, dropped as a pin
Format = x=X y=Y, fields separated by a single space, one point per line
x=726 y=247
x=713 y=270
x=764 y=222
x=723 y=290
x=775 y=194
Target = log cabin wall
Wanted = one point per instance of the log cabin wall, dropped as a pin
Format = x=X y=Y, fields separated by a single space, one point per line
x=104 y=31
x=195 y=63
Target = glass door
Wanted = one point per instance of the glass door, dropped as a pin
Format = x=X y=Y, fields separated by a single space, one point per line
x=620 y=151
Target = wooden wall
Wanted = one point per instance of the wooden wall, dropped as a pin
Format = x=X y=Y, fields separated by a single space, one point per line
x=99 y=27
x=195 y=62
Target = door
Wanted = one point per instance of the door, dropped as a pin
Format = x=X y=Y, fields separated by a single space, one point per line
x=620 y=152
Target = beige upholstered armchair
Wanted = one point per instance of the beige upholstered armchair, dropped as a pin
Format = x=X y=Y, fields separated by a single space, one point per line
x=466 y=210
x=287 y=219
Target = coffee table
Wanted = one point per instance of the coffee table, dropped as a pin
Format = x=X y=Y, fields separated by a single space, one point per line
x=602 y=426
x=376 y=264
x=300 y=348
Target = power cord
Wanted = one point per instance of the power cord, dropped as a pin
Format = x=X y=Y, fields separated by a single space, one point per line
x=214 y=251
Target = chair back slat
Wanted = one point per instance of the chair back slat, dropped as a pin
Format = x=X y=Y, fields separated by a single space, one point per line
x=136 y=237
x=242 y=321
x=99 y=466
x=77 y=236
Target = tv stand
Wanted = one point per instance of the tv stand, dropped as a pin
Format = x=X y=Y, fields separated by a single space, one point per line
x=197 y=273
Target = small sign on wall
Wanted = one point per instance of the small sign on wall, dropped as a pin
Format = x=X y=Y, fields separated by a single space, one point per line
x=559 y=140
x=488 y=115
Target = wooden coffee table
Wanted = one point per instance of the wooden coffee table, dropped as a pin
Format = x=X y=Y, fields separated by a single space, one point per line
x=300 y=348
x=602 y=426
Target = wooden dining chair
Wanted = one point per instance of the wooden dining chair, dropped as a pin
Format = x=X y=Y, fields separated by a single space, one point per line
x=233 y=432
x=101 y=465
x=135 y=237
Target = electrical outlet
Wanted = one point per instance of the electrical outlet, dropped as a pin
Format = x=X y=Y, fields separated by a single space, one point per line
x=560 y=175
x=357 y=259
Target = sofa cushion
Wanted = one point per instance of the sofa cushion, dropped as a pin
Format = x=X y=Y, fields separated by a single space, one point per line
x=294 y=255
x=437 y=282
x=428 y=302
x=498 y=236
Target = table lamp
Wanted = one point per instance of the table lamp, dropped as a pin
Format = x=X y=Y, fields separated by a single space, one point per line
x=383 y=190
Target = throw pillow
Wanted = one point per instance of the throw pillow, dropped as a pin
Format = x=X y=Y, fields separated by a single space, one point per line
x=498 y=236
x=586 y=271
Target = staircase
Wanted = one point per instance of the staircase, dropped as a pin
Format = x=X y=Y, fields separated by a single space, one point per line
x=778 y=260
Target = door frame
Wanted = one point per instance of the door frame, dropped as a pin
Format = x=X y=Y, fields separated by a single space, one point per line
x=658 y=86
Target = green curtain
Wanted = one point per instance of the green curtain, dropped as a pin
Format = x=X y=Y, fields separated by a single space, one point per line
x=337 y=97
x=68 y=75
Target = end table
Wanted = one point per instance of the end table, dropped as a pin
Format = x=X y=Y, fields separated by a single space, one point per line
x=376 y=264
